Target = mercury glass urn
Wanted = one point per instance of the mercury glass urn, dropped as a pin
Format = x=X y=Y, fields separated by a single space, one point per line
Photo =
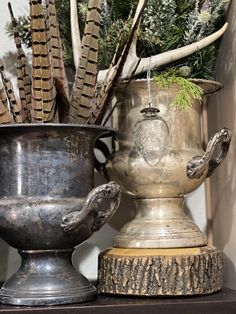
x=159 y=189
x=48 y=206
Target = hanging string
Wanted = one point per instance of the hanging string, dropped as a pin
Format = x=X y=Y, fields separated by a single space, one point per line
x=149 y=84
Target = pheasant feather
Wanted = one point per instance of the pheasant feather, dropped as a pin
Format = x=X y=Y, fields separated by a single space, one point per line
x=23 y=78
x=84 y=88
x=115 y=73
x=55 y=43
x=5 y=115
x=43 y=87
x=15 y=107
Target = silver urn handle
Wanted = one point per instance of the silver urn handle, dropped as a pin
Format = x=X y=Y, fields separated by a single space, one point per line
x=101 y=203
x=197 y=166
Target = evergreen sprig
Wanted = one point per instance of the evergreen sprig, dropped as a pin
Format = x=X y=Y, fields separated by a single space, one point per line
x=23 y=25
x=186 y=89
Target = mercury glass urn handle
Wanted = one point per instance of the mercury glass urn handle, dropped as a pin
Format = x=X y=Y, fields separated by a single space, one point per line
x=101 y=203
x=197 y=166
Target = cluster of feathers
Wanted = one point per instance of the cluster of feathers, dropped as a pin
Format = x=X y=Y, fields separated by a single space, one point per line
x=44 y=94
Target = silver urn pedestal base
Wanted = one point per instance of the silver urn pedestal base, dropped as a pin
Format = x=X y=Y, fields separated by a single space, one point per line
x=160 y=223
x=46 y=278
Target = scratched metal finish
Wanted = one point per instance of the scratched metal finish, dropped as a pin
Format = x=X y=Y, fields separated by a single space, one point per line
x=46 y=278
x=46 y=161
x=48 y=206
x=168 y=178
x=159 y=221
x=45 y=172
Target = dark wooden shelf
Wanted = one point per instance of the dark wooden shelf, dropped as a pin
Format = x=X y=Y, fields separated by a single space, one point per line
x=223 y=302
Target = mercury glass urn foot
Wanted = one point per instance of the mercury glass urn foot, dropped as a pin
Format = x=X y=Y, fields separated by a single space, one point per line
x=48 y=206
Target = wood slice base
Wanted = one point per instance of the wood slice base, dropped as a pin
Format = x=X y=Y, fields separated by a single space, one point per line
x=160 y=272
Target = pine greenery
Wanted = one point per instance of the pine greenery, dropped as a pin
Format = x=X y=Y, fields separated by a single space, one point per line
x=23 y=23
x=166 y=25
x=186 y=89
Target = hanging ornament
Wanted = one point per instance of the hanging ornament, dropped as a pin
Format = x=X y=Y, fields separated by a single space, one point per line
x=151 y=136
x=151 y=132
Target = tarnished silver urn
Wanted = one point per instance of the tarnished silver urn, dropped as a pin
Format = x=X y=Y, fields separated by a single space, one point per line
x=158 y=191
x=48 y=206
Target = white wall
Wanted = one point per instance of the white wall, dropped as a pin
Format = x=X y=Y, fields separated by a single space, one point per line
x=222 y=113
x=87 y=253
x=7 y=47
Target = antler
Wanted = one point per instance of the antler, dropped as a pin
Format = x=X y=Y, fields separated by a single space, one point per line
x=132 y=59
x=163 y=58
x=75 y=32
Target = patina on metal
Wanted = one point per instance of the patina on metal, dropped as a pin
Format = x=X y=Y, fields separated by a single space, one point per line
x=160 y=221
x=197 y=166
x=47 y=208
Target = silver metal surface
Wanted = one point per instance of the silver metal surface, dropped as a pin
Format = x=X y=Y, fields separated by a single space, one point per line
x=197 y=166
x=159 y=222
x=47 y=277
x=73 y=221
x=46 y=174
x=158 y=191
